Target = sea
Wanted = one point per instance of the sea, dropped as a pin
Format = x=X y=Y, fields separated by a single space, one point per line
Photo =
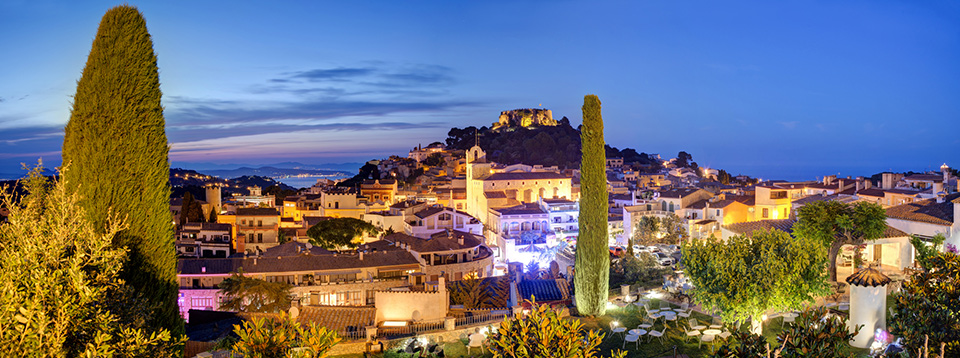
x=306 y=182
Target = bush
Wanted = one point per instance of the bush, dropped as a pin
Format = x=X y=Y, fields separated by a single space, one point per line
x=643 y=271
x=542 y=333
x=281 y=338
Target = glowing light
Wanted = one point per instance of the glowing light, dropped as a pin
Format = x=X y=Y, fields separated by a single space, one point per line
x=394 y=323
x=764 y=317
x=615 y=323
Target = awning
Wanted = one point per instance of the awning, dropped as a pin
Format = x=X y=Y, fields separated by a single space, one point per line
x=704 y=222
x=339 y=272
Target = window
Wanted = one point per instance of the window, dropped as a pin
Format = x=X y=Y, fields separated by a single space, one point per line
x=766 y=213
x=260 y=237
x=718 y=212
x=336 y=205
x=259 y=223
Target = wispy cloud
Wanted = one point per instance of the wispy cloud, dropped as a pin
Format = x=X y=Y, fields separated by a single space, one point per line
x=789 y=125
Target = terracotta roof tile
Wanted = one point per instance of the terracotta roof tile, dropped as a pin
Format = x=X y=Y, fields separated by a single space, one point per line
x=928 y=211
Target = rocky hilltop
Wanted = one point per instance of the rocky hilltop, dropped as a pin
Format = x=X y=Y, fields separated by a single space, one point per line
x=524 y=117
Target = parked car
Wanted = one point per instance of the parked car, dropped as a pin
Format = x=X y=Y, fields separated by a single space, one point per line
x=668 y=248
x=663 y=259
x=616 y=251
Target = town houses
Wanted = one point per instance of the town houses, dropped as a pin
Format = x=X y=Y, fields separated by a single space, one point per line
x=442 y=215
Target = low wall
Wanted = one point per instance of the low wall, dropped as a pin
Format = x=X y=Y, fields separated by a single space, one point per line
x=401 y=305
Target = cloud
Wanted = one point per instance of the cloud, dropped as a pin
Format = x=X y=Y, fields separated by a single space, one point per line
x=340 y=73
x=387 y=75
x=789 y=125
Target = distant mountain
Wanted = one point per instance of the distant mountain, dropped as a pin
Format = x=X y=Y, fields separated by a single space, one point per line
x=207 y=167
x=271 y=172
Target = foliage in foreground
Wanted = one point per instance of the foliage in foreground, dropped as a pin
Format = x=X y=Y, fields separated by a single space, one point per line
x=59 y=283
x=542 y=333
x=340 y=233
x=282 y=337
x=248 y=294
x=745 y=277
x=592 y=262
x=814 y=334
x=928 y=306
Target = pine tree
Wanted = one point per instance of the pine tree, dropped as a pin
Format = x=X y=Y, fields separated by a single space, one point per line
x=117 y=148
x=592 y=259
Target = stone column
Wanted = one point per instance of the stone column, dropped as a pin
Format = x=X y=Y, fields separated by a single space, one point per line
x=450 y=323
x=371 y=333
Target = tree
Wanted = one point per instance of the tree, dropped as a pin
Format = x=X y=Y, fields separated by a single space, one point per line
x=592 y=260
x=282 y=337
x=60 y=282
x=928 y=305
x=673 y=229
x=474 y=292
x=724 y=177
x=213 y=216
x=248 y=294
x=645 y=232
x=433 y=160
x=117 y=148
x=926 y=252
x=683 y=159
x=544 y=334
x=834 y=224
x=745 y=277
x=190 y=209
x=340 y=232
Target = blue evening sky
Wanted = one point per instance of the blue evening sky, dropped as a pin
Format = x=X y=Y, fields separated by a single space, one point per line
x=776 y=89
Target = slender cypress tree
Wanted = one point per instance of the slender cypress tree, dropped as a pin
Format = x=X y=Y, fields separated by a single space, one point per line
x=592 y=259
x=116 y=146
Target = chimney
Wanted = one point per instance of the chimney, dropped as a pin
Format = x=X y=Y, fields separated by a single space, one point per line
x=460 y=240
x=867 y=184
x=937 y=188
x=442 y=285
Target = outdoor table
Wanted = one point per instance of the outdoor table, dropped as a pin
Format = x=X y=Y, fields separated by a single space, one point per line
x=711 y=332
x=669 y=316
x=637 y=332
x=844 y=306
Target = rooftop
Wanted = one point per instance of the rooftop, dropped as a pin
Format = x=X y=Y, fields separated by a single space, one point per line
x=928 y=211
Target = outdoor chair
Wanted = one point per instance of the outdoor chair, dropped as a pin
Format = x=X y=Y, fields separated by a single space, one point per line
x=789 y=318
x=476 y=341
x=892 y=313
x=616 y=328
x=664 y=305
x=706 y=338
x=716 y=323
x=725 y=334
x=647 y=323
x=695 y=325
x=690 y=333
x=631 y=338
x=684 y=307
x=657 y=334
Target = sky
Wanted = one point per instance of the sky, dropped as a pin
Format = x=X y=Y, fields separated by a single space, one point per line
x=778 y=90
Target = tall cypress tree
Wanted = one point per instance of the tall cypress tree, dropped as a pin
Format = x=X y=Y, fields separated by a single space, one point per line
x=592 y=259
x=116 y=146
